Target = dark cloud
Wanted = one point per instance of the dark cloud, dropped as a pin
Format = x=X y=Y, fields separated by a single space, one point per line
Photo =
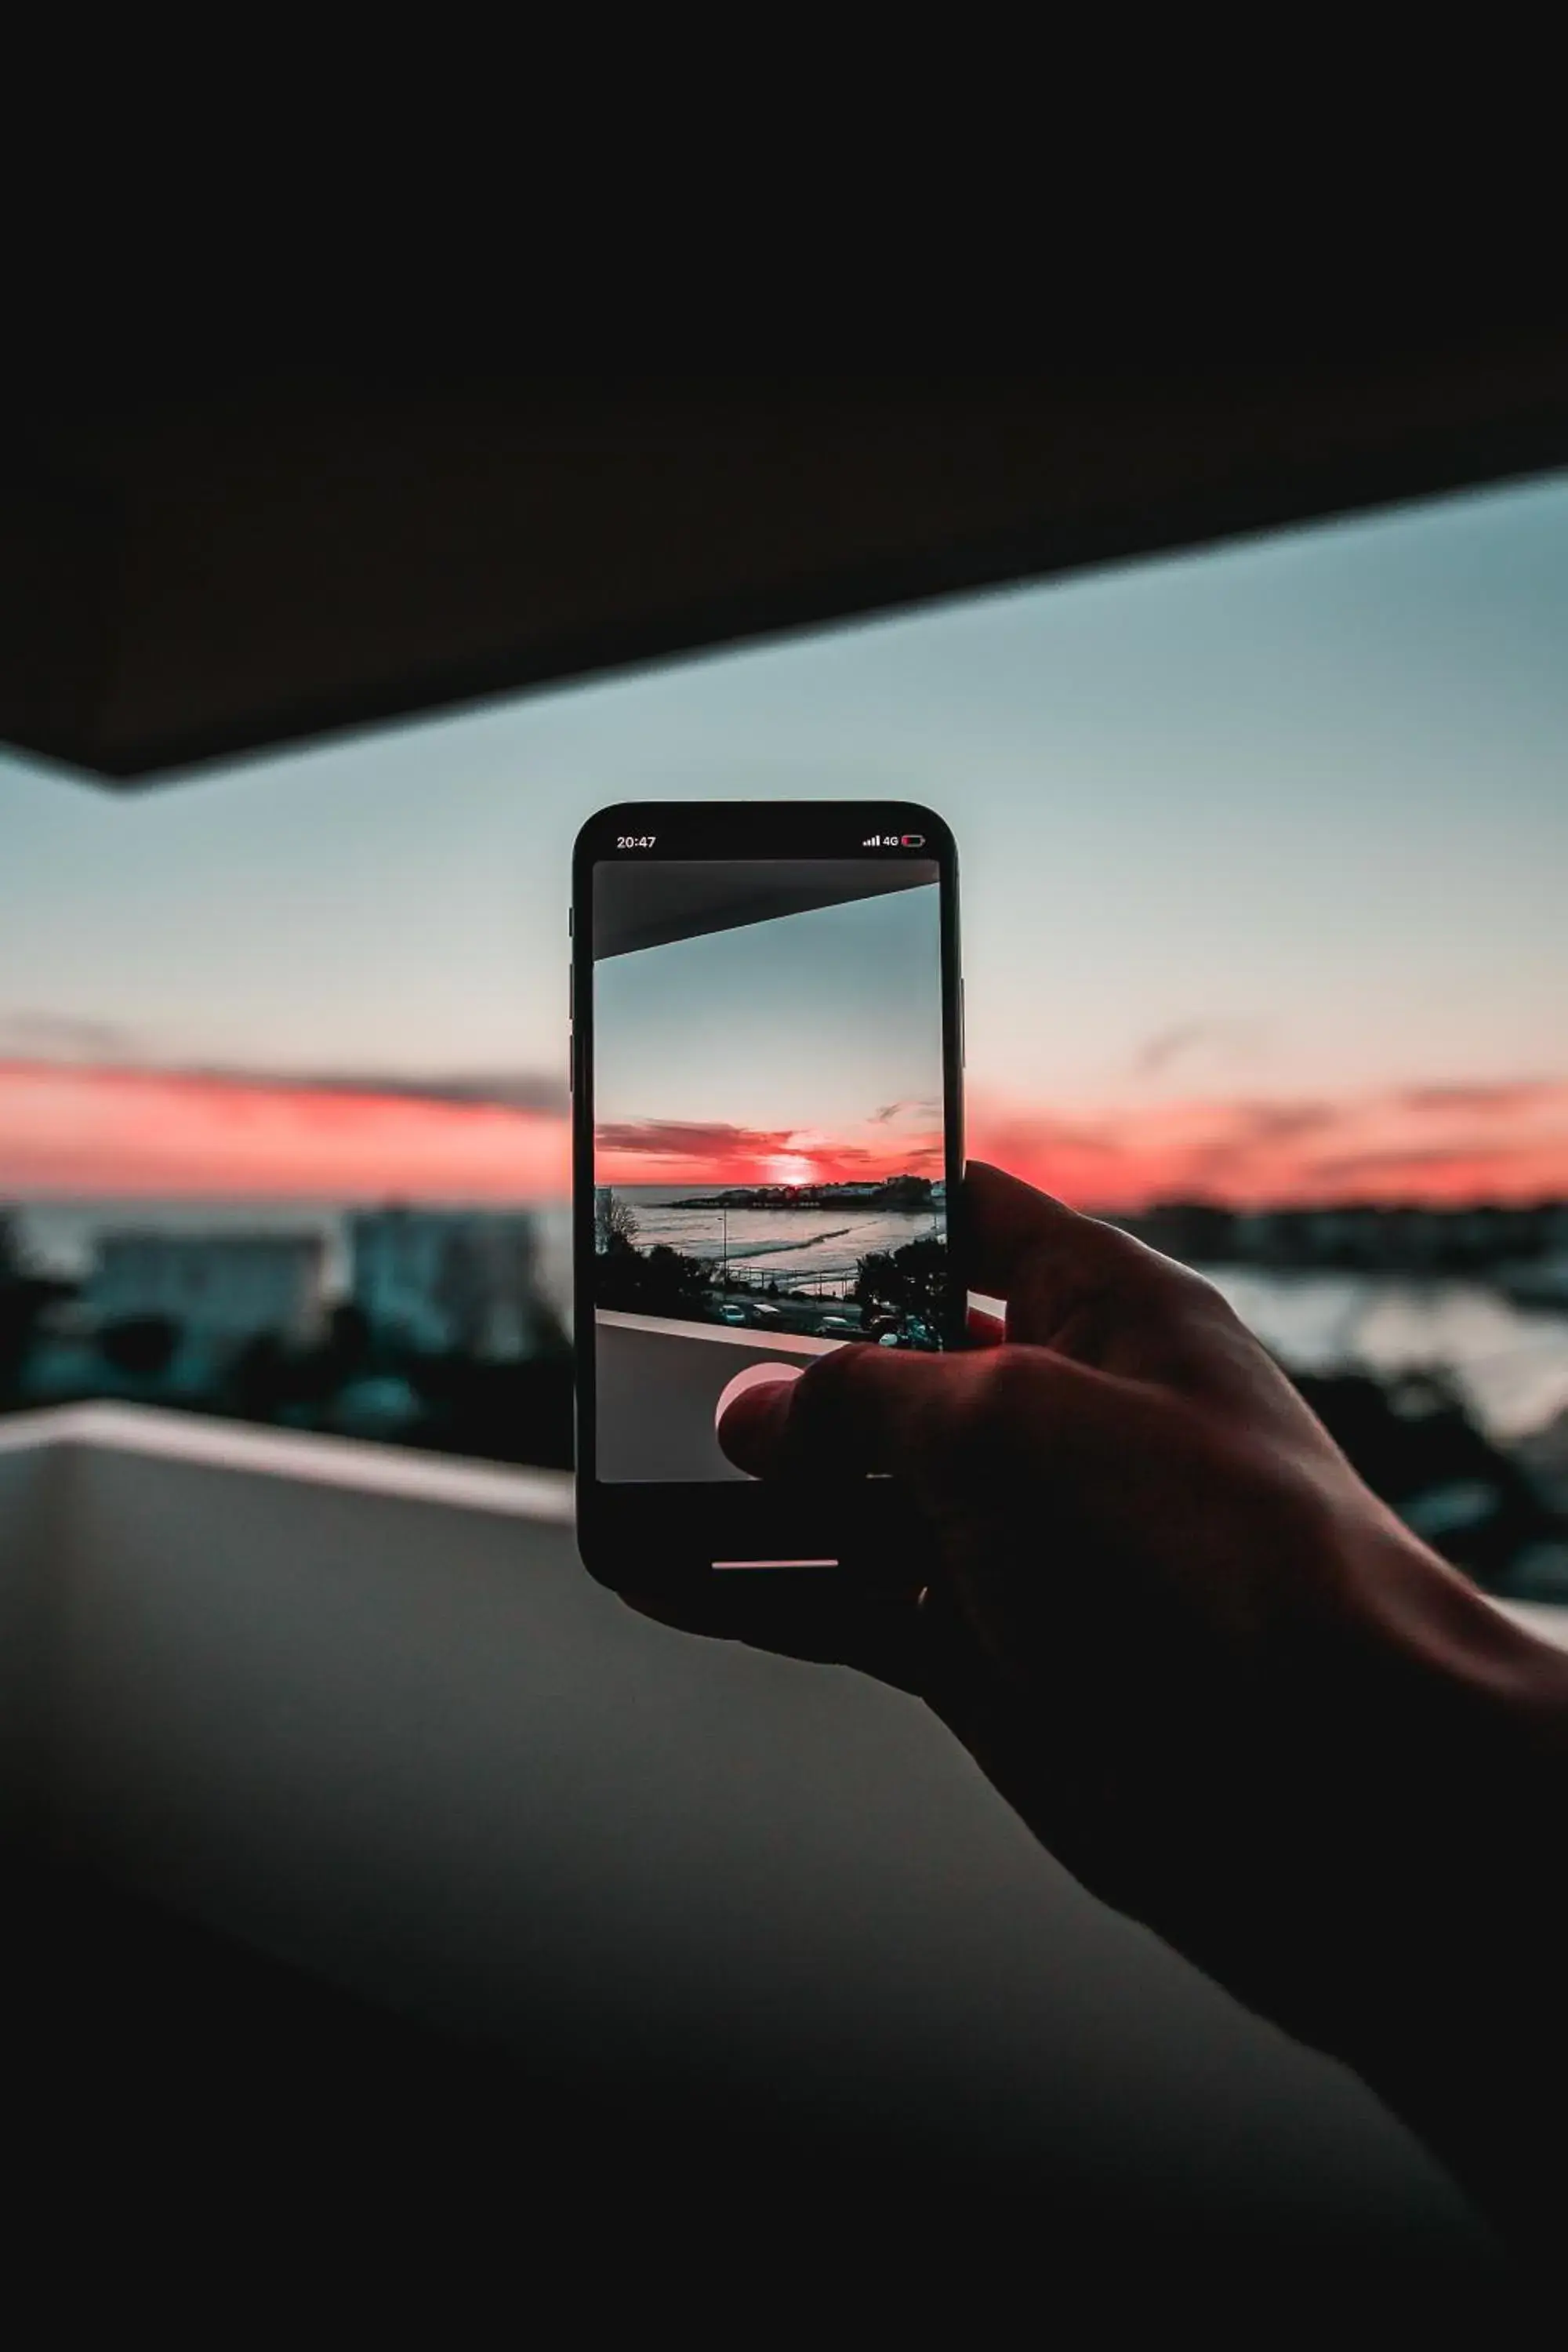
x=1276 y=1122
x=59 y=1037
x=43 y=1038
x=1259 y=1127
x=1231 y=1036
x=677 y=1138
x=1042 y=1129
x=1482 y=1095
x=1348 y=1166
x=520 y=1091
x=908 y=1108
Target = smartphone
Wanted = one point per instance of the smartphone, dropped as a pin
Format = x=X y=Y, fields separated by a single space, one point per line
x=767 y=1153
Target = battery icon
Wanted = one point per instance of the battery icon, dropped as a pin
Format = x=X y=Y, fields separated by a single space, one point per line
x=914 y=840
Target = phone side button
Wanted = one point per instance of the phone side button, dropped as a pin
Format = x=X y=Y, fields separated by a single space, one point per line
x=570 y=1061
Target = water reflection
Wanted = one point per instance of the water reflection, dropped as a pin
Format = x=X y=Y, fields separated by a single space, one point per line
x=1509 y=1362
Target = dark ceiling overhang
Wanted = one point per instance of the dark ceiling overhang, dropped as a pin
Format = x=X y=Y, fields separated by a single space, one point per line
x=186 y=576
x=637 y=905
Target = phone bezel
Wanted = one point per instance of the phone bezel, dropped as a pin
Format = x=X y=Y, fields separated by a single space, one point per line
x=651 y=1535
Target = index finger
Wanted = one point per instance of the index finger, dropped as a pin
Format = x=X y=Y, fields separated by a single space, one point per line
x=1044 y=1260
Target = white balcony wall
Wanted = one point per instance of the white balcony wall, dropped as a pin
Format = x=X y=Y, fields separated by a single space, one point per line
x=365 y=1712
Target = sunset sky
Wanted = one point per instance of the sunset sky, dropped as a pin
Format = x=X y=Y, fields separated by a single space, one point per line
x=806 y=1049
x=1264 y=852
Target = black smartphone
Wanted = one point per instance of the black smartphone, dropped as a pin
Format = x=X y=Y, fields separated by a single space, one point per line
x=767 y=1155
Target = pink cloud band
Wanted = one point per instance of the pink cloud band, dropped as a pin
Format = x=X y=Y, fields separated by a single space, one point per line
x=66 y=1128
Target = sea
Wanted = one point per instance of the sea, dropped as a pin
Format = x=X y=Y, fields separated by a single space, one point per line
x=1510 y=1360
x=812 y=1249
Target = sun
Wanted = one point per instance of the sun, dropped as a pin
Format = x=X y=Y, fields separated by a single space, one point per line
x=790 y=1168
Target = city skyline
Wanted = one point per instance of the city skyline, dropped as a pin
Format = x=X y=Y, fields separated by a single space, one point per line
x=1263 y=855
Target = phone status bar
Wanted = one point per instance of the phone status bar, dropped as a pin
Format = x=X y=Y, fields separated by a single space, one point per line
x=644 y=842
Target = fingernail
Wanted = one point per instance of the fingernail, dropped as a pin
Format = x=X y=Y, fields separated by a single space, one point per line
x=751 y=1416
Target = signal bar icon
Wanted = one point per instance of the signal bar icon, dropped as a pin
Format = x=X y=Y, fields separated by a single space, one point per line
x=894 y=841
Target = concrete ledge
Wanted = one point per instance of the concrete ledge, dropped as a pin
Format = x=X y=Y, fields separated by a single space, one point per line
x=370 y=1468
x=361 y=1712
x=720 y=1335
x=300 y=1454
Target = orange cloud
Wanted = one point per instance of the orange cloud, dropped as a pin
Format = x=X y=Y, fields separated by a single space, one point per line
x=680 y=1152
x=1435 y=1144
x=105 y=1132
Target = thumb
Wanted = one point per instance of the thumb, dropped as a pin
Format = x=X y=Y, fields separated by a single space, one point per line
x=752 y=1425
x=857 y=1409
x=865 y=1410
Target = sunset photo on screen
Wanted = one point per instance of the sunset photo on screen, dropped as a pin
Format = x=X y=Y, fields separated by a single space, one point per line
x=768 y=1136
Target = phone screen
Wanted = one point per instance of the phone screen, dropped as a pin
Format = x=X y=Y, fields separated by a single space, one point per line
x=769 y=1126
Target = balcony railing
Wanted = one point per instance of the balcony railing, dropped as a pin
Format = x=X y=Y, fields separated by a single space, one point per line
x=362 y=1711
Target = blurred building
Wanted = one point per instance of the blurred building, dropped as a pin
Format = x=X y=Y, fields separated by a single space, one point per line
x=447 y=1282
x=221 y=1289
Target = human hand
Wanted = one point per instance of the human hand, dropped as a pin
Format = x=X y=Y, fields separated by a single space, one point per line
x=1217 y=1677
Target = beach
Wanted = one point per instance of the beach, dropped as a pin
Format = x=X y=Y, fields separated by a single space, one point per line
x=814 y=1249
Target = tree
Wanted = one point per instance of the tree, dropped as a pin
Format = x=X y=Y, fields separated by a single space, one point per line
x=659 y=1281
x=23 y=1295
x=670 y=1277
x=615 y=1226
x=143 y=1346
x=15 y=1263
x=910 y=1281
x=258 y=1381
x=346 y=1349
